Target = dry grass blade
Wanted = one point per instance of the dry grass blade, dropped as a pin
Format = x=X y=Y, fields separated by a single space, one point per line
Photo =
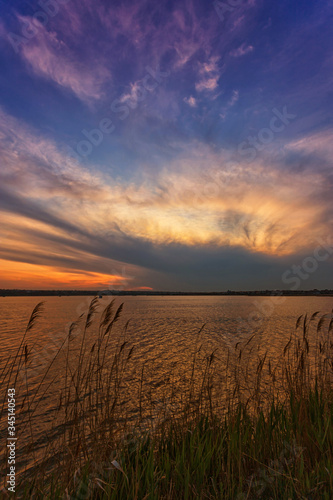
x=161 y=439
x=298 y=322
x=99 y=482
x=330 y=325
x=19 y=353
x=212 y=356
x=321 y=322
x=26 y=353
x=107 y=314
x=118 y=312
x=72 y=329
x=114 y=320
x=261 y=362
x=34 y=316
x=122 y=346
x=91 y=311
x=117 y=466
x=130 y=353
x=251 y=338
x=314 y=315
x=305 y=326
x=286 y=346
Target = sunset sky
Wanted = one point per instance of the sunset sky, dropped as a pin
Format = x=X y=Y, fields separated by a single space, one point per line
x=171 y=145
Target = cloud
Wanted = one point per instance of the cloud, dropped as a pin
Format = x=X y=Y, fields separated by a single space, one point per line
x=201 y=198
x=319 y=144
x=234 y=98
x=208 y=75
x=232 y=101
x=35 y=164
x=49 y=57
x=180 y=205
x=134 y=95
x=191 y=101
x=211 y=66
x=33 y=275
x=242 y=50
x=207 y=84
x=204 y=209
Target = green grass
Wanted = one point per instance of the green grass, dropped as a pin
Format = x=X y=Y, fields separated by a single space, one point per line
x=221 y=430
x=285 y=454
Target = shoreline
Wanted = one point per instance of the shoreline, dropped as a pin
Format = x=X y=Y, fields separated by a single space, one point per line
x=135 y=293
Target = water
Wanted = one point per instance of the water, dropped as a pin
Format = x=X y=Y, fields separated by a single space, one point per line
x=164 y=327
x=163 y=332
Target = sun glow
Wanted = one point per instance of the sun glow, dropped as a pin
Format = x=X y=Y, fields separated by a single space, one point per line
x=31 y=276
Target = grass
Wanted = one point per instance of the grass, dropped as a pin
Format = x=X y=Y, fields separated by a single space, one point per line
x=238 y=426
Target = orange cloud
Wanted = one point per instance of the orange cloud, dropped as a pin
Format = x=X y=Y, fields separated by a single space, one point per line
x=59 y=220
x=30 y=276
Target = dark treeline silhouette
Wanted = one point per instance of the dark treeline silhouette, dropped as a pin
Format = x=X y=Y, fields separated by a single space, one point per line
x=265 y=293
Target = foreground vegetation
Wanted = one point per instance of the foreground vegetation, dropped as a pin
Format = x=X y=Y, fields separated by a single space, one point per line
x=237 y=426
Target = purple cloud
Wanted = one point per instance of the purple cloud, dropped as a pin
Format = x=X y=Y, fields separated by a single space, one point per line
x=242 y=50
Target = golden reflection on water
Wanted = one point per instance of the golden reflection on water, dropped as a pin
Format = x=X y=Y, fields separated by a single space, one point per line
x=163 y=354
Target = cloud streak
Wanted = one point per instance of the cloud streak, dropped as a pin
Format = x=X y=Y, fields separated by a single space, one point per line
x=242 y=50
x=166 y=193
x=49 y=57
x=254 y=207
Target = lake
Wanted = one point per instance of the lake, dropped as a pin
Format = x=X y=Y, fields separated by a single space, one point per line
x=161 y=337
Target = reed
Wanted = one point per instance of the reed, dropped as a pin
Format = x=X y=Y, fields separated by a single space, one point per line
x=237 y=426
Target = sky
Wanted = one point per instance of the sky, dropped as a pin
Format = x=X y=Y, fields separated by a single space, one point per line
x=171 y=145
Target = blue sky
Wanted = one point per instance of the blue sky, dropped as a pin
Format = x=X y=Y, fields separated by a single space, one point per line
x=171 y=145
